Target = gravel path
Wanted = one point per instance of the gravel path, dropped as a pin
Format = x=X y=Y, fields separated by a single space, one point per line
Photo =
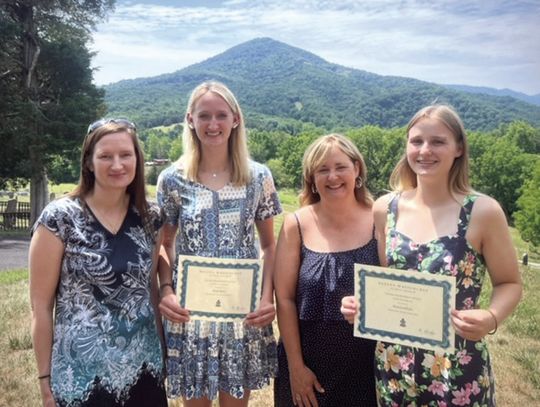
x=13 y=252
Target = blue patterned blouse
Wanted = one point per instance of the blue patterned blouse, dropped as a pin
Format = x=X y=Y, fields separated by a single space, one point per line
x=105 y=335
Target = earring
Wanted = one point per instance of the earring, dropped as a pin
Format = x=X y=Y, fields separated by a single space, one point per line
x=358 y=183
x=314 y=189
x=235 y=125
x=190 y=126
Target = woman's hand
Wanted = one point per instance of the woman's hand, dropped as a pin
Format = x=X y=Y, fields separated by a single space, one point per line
x=473 y=324
x=170 y=308
x=303 y=381
x=46 y=393
x=262 y=316
x=349 y=308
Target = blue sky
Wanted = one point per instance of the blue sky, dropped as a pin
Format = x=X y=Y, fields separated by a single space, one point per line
x=494 y=43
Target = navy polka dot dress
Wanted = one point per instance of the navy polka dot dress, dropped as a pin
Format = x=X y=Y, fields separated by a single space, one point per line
x=342 y=363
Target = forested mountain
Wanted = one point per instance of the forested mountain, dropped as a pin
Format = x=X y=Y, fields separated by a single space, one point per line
x=534 y=99
x=281 y=87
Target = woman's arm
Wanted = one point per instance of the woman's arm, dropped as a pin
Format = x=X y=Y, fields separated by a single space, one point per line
x=380 y=211
x=349 y=305
x=169 y=305
x=488 y=234
x=154 y=286
x=287 y=265
x=266 y=312
x=45 y=259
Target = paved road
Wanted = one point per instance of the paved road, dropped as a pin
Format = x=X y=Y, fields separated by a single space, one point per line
x=13 y=252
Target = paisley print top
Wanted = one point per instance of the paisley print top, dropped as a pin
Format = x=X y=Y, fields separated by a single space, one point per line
x=105 y=335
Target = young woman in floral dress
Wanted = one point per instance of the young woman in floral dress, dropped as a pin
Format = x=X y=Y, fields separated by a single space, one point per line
x=435 y=223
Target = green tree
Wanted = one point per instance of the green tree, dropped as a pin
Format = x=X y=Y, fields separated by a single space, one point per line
x=46 y=66
x=176 y=149
x=523 y=135
x=381 y=149
x=501 y=171
x=263 y=145
x=157 y=145
x=291 y=153
x=527 y=217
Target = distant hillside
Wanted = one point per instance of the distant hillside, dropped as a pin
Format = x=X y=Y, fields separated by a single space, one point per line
x=274 y=81
x=534 y=99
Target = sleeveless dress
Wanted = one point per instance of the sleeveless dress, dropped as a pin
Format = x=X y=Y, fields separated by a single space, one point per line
x=204 y=357
x=342 y=363
x=414 y=377
x=106 y=350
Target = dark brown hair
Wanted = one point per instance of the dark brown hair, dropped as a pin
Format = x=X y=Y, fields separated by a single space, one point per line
x=136 y=189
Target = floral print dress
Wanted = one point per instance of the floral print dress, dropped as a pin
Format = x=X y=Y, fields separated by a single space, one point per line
x=204 y=357
x=414 y=377
x=106 y=350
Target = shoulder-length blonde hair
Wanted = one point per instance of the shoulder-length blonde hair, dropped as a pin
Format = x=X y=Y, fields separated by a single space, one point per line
x=136 y=189
x=237 y=147
x=315 y=155
x=404 y=178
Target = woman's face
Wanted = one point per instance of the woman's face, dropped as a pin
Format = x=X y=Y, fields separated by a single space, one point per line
x=213 y=120
x=431 y=148
x=336 y=176
x=114 y=161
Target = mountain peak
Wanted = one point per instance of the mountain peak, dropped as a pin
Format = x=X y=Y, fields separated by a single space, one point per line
x=274 y=79
x=261 y=51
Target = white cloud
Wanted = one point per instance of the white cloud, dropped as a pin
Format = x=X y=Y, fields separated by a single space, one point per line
x=495 y=44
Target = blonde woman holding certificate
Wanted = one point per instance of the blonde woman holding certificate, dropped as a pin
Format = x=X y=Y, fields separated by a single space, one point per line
x=435 y=223
x=213 y=199
x=321 y=363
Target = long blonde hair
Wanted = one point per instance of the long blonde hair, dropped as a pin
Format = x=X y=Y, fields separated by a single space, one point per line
x=314 y=156
x=237 y=144
x=404 y=178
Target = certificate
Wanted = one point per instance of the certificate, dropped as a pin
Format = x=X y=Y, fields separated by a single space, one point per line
x=217 y=289
x=405 y=307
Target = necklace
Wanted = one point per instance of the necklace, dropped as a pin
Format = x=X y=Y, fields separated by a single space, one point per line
x=111 y=222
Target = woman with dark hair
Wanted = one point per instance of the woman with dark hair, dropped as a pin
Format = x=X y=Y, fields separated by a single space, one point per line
x=93 y=282
x=214 y=199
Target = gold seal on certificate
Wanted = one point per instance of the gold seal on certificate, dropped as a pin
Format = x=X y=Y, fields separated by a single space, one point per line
x=405 y=307
x=219 y=289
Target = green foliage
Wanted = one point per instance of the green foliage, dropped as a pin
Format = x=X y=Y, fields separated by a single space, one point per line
x=46 y=72
x=527 y=217
x=523 y=135
x=263 y=145
x=281 y=178
x=291 y=153
x=176 y=149
x=381 y=149
x=500 y=172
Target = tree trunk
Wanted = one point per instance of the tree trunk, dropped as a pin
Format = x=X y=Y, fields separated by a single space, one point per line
x=39 y=194
x=39 y=189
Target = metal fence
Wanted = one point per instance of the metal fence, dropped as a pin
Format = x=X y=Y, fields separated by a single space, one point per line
x=14 y=215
